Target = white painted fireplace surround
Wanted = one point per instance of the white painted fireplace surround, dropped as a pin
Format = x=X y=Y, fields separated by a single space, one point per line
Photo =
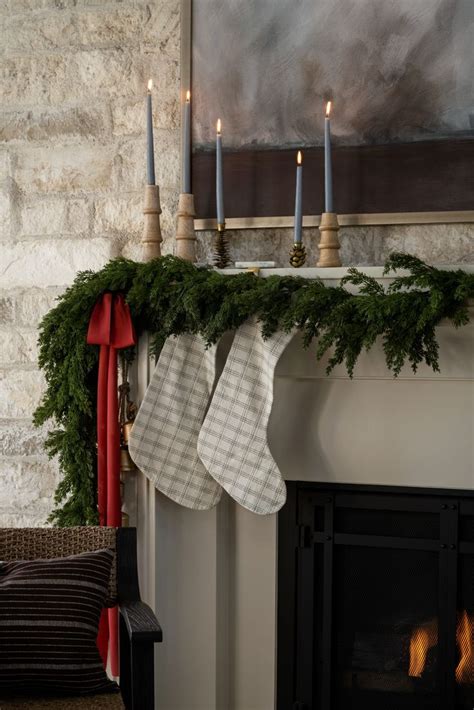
x=211 y=576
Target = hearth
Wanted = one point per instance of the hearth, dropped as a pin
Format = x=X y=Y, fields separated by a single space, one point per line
x=375 y=599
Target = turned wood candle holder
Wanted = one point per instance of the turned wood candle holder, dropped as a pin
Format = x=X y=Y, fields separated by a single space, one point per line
x=329 y=243
x=185 y=234
x=151 y=239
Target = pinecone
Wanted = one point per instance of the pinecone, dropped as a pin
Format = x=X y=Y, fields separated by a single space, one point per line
x=221 y=251
x=297 y=255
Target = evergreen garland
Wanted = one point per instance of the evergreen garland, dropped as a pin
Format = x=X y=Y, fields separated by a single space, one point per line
x=169 y=296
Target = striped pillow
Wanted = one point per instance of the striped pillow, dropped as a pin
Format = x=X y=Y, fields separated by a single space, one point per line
x=49 y=616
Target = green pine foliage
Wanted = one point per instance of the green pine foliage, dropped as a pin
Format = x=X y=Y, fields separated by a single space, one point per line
x=168 y=296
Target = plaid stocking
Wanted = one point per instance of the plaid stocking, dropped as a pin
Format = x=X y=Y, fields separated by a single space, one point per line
x=163 y=442
x=233 y=439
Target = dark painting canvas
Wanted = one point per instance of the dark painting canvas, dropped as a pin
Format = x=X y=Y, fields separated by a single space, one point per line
x=399 y=72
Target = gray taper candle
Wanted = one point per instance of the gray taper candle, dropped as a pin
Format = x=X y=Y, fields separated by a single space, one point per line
x=328 y=161
x=186 y=169
x=219 y=179
x=150 y=155
x=299 y=198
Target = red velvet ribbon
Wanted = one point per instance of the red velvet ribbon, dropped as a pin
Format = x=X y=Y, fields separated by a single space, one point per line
x=111 y=327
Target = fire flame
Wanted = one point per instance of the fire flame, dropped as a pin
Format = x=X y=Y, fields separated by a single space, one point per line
x=422 y=639
x=464 y=638
x=219 y=125
x=426 y=636
x=299 y=157
x=188 y=95
x=150 y=84
x=328 y=108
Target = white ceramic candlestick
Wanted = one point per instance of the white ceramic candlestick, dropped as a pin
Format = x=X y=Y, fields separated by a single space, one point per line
x=185 y=234
x=329 y=243
x=151 y=239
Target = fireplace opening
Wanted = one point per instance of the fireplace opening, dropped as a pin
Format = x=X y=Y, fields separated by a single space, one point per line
x=375 y=599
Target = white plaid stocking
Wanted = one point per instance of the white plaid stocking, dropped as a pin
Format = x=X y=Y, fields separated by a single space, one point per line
x=233 y=439
x=163 y=442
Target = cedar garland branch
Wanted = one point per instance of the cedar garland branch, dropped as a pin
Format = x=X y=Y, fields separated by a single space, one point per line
x=168 y=296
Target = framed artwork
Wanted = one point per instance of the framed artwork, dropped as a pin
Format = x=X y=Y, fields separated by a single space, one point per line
x=401 y=79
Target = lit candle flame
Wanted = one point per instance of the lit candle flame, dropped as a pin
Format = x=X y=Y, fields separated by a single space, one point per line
x=188 y=95
x=328 y=108
x=299 y=157
x=150 y=85
x=219 y=125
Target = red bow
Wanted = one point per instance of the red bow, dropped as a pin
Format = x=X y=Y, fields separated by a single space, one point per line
x=110 y=327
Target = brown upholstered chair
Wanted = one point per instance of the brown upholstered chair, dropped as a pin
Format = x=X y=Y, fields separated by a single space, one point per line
x=139 y=628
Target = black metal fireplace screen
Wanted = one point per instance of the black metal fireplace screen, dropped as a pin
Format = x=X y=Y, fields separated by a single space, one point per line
x=375 y=599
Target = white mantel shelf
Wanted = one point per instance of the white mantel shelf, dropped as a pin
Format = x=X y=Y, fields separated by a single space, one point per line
x=337 y=273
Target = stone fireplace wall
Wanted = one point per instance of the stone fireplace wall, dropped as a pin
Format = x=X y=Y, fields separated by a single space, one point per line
x=72 y=157
x=72 y=168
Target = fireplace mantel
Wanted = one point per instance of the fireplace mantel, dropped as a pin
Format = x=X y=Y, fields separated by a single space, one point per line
x=335 y=274
x=212 y=575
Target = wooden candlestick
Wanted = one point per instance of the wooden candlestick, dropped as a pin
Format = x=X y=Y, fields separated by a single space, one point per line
x=151 y=239
x=329 y=243
x=185 y=235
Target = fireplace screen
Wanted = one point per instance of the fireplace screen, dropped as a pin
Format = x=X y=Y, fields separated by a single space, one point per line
x=375 y=599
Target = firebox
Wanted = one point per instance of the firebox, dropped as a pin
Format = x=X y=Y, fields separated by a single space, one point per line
x=375 y=598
